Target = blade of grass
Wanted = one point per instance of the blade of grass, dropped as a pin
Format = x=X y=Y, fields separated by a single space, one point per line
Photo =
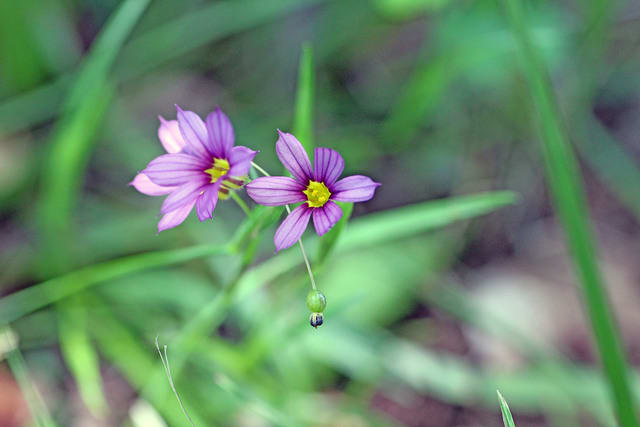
x=568 y=196
x=507 y=419
x=80 y=355
x=149 y=50
x=303 y=114
x=29 y=391
x=30 y=299
x=73 y=136
x=370 y=230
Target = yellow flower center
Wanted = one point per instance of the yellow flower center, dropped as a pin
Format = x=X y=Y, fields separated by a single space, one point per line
x=219 y=168
x=317 y=194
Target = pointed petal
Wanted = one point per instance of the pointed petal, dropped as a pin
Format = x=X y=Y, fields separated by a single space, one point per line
x=175 y=169
x=275 y=190
x=207 y=201
x=292 y=227
x=184 y=195
x=240 y=160
x=194 y=133
x=356 y=188
x=293 y=156
x=143 y=184
x=326 y=217
x=175 y=217
x=170 y=136
x=328 y=165
x=221 y=135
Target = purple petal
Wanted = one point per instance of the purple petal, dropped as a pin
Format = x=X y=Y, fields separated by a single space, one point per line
x=175 y=217
x=240 y=159
x=328 y=165
x=293 y=156
x=143 y=184
x=221 y=135
x=275 y=190
x=184 y=195
x=194 y=132
x=356 y=188
x=326 y=217
x=170 y=136
x=207 y=201
x=175 y=169
x=292 y=227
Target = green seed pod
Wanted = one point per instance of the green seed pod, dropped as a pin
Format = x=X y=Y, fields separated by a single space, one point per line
x=316 y=302
x=316 y=319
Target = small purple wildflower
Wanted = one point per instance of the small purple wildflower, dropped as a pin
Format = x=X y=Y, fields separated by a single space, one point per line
x=201 y=166
x=318 y=188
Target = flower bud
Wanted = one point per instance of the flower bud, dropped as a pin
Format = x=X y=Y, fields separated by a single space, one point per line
x=316 y=302
x=315 y=319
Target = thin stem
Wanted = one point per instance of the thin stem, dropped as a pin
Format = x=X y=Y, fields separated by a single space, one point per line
x=240 y=203
x=262 y=171
x=304 y=253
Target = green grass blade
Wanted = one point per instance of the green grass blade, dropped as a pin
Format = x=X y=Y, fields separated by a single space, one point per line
x=568 y=195
x=29 y=391
x=30 y=299
x=303 y=114
x=149 y=50
x=507 y=418
x=402 y=222
x=72 y=139
x=329 y=240
x=80 y=355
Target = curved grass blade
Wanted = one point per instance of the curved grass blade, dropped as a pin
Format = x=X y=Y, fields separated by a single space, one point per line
x=507 y=418
x=303 y=114
x=568 y=196
x=28 y=300
x=30 y=393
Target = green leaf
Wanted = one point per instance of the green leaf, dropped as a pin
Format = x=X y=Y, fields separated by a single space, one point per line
x=149 y=50
x=30 y=299
x=40 y=413
x=564 y=179
x=329 y=240
x=80 y=356
x=402 y=222
x=73 y=136
x=303 y=114
x=507 y=419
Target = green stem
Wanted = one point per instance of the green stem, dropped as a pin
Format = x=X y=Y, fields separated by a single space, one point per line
x=565 y=182
x=240 y=203
x=304 y=253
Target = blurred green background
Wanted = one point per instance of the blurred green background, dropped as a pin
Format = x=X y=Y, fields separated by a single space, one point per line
x=454 y=281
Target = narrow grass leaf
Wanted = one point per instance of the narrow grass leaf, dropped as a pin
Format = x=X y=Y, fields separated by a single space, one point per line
x=73 y=136
x=303 y=113
x=30 y=299
x=329 y=240
x=80 y=355
x=149 y=50
x=20 y=372
x=507 y=419
x=568 y=195
x=402 y=222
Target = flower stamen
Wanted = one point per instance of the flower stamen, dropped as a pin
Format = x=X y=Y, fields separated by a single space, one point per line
x=317 y=194
x=219 y=168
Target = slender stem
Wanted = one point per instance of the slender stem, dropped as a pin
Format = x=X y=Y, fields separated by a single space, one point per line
x=240 y=203
x=262 y=171
x=304 y=253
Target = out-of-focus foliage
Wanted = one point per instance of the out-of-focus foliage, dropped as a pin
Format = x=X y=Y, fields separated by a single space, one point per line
x=451 y=283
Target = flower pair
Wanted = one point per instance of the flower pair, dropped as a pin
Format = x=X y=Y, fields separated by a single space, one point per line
x=202 y=166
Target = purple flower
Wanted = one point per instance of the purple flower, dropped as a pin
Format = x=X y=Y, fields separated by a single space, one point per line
x=200 y=167
x=317 y=187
